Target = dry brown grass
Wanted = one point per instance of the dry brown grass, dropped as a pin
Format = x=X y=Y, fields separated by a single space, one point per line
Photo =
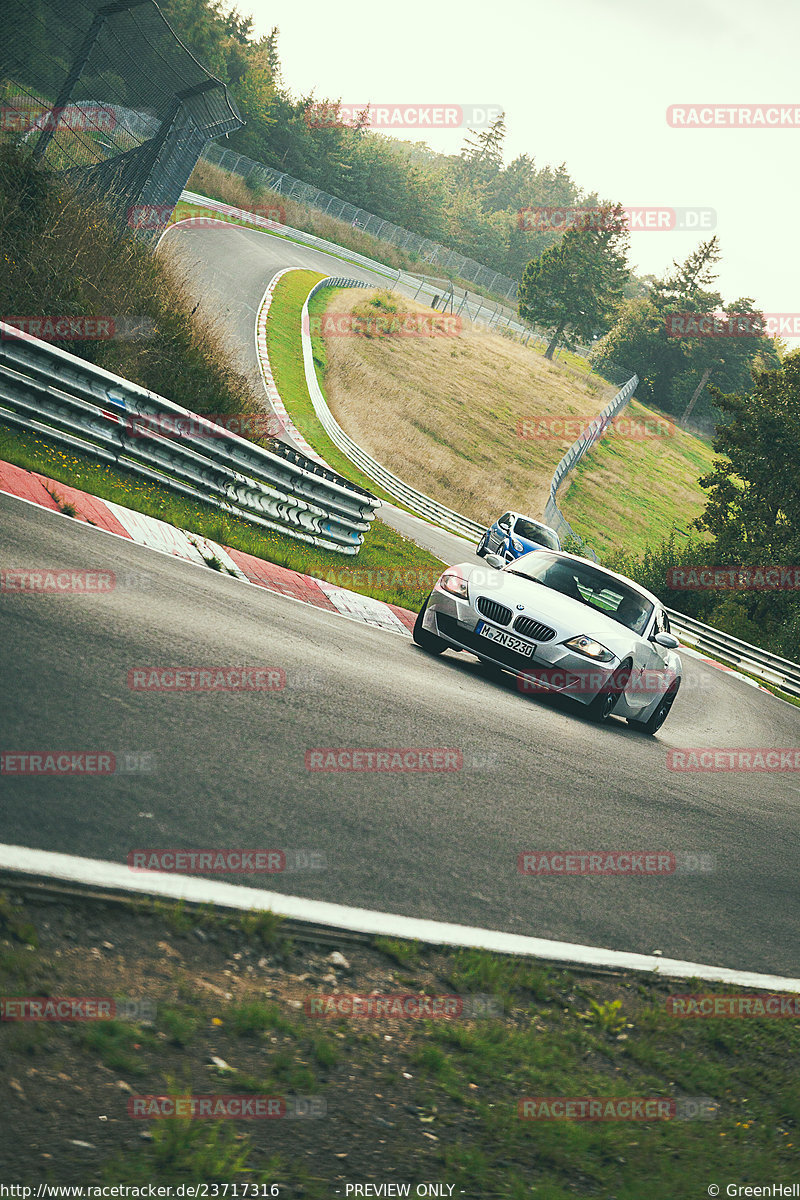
x=435 y=410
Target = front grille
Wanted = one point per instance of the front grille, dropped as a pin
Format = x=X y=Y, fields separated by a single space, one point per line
x=450 y=628
x=493 y=610
x=528 y=627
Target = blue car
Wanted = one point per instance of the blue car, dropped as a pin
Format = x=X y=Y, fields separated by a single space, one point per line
x=513 y=535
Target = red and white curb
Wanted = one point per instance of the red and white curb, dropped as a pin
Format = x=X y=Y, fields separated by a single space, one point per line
x=159 y=535
x=273 y=395
x=118 y=876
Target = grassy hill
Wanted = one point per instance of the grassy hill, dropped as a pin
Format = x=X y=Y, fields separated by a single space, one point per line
x=478 y=421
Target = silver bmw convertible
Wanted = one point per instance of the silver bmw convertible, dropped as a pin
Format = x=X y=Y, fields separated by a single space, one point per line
x=561 y=624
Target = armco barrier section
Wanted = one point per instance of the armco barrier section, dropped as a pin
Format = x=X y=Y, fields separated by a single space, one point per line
x=592 y=434
x=417 y=501
x=45 y=390
x=770 y=668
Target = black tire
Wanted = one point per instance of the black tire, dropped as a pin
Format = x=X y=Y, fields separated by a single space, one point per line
x=661 y=713
x=480 y=549
x=428 y=642
x=605 y=702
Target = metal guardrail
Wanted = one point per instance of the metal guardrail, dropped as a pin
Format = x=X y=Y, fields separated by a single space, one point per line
x=417 y=501
x=771 y=668
x=46 y=390
x=592 y=434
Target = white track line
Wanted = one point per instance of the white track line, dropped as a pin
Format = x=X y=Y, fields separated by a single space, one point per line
x=101 y=874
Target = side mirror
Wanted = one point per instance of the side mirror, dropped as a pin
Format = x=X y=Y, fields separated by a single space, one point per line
x=667 y=640
x=494 y=560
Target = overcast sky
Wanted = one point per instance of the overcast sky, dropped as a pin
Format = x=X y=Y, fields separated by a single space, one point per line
x=588 y=83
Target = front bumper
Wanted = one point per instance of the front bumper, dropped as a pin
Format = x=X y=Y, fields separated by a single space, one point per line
x=550 y=668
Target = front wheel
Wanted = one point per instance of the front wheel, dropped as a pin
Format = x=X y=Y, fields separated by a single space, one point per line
x=604 y=702
x=425 y=640
x=481 y=548
x=662 y=711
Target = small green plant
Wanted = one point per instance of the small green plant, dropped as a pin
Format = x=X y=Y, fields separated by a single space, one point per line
x=180 y=1024
x=14 y=923
x=325 y=1051
x=256 y=1017
x=405 y=954
x=607 y=1016
x=264 y=927
x=116 y=1044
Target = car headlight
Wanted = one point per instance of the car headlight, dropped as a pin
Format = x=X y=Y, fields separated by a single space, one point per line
x=590 y=648
x=517 y=544
x=455 y=584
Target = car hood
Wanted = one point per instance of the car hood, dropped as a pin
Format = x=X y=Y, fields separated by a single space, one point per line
x=567 y=616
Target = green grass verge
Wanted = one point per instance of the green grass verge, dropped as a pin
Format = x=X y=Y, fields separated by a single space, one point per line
x=628 y=493
x=284 y=348
x=388 y=567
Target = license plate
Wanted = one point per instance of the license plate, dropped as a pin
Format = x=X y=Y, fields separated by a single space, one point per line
x=505 y=639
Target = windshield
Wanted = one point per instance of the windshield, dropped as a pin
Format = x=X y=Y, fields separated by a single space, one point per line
x=591 y=585
x=534 y=532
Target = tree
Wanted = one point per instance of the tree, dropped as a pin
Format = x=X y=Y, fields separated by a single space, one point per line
x=754 y=487
x=753 y=508
x=482 y=154
x=675 y=372
x=574 y=287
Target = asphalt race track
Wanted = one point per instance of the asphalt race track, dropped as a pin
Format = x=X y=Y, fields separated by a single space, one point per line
x=229 y=769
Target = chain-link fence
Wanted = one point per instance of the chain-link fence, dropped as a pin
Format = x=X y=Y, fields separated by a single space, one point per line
x=456 y=265
x=108 y=93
